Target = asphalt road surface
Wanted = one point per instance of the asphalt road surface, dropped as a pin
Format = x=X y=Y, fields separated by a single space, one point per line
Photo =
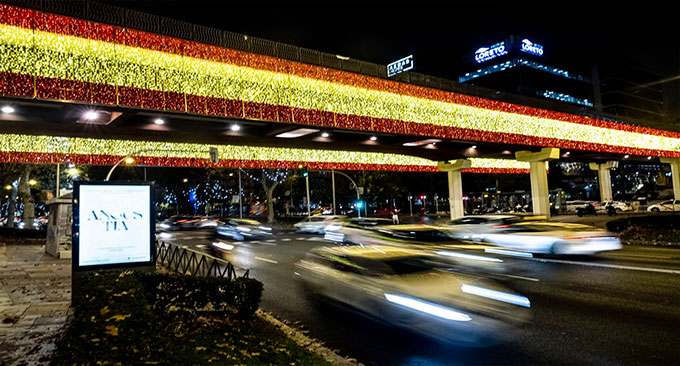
x=613 y=308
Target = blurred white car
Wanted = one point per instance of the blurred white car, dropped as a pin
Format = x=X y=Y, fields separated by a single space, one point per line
x=554 y=238
x=316 y=224
x=665 y=206
x=410 y=289
x=474 y=227
x=242 y=229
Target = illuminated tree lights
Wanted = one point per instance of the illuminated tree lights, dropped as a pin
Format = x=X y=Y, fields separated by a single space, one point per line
x=53 y=57
x=76 y=150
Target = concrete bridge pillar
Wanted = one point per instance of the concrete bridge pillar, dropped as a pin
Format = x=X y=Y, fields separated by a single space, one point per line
x=539 y=177
x=455 y=185
x=604 y=176
x=675 y=174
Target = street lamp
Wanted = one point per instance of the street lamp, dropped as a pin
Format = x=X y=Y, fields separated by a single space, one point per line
x=32 y=182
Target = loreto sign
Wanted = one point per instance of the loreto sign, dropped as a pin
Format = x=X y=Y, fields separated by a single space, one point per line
x=488 y=53
x=400 y=66
x=113 y=225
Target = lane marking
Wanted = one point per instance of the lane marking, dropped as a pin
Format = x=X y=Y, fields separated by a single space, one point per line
x=266 y=243
x=521 y=277
x=316 y=239
x=266 y=260
x=286 y=239
x=604 y=265
x=625 y=255
x=300 y=238
x=270 y=240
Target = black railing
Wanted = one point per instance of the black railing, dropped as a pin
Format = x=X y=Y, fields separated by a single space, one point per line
x=189 y=262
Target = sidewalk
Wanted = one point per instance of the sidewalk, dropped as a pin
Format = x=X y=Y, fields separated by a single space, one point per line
x=35 y=294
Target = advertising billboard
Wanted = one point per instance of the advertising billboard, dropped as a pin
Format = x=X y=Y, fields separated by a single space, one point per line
x=113 y=225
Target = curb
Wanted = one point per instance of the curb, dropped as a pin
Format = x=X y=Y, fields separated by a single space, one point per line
x=308 y=343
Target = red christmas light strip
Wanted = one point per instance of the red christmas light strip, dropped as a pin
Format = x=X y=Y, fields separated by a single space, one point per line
x=53 y=23
x=49 y=88
x=94 y=159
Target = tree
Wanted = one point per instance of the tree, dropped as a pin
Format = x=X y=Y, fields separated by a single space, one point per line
x=269 y=183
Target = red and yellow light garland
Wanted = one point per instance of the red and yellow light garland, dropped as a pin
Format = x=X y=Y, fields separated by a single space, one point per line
x=76 y=150
x=54 y=57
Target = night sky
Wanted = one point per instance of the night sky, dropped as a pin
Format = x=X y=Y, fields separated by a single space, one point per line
x=438 y=34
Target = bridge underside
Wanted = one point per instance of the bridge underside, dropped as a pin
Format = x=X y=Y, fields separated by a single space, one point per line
x=134 y=130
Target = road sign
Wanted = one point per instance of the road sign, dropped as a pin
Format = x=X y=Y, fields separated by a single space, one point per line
x=214 y=155
x=360 y=190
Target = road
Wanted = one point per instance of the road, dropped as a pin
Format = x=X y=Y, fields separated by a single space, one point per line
x=612 y=308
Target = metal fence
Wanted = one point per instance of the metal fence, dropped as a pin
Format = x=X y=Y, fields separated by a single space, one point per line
x=188 y=262
x=113 y=15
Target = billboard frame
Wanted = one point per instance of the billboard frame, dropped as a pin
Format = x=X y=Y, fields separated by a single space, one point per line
x=75 y=261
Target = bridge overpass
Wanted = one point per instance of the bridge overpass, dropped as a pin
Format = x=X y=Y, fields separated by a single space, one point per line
x=91 y=93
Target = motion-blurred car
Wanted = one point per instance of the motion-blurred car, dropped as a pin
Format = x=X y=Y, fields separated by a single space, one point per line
x=474 y=227
x=412 y=290
x=554 y=238
x=665 y=206
x=179 y=223
x=316 y=224
x=242 y=229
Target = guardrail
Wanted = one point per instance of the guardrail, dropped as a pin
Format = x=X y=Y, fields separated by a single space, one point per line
x=189 y=262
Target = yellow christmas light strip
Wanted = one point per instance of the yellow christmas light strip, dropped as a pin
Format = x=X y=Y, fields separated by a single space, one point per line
x=45 y=54
x=229 y=154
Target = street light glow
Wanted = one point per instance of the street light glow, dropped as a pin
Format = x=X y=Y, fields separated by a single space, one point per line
x=129 y=160
x=8 y=109
x=235 y=128
x=159 y=121
x=32 y=182
x=373 y=138
x=325 y=134
x=91 y=115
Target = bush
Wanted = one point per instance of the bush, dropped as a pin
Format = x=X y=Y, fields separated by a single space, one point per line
x=116 y=319
x=660 y=221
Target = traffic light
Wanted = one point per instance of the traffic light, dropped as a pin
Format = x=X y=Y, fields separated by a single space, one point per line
x=305 y=173
x=359 y=204
x=214 y=155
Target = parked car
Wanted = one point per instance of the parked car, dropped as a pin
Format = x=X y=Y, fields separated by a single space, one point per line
x=573 y=206
x=554 y=238
x=619 y=206
x=410 y=289
x=665 y=206
x=242 y=229
x=316 y=224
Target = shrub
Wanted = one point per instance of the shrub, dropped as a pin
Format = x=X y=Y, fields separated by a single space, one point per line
x=116 y=319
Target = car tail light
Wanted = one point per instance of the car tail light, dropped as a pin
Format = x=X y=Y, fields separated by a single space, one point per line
x=500 y=226
x=587 y=237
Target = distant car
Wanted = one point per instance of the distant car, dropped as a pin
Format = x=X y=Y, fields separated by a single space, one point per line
x=665 y=206
x=473 y=227
x=554 y=238
x=619 y=206
x=573 y=206
x=179 y=223
x=242 y=229
x=412 y=290
x=316 y=224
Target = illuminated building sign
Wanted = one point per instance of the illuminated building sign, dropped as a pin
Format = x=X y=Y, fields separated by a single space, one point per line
x=400 y=66
x=532 y=48
x=487 y=53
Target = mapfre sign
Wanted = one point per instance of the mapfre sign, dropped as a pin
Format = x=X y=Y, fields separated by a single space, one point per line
x=400 y=66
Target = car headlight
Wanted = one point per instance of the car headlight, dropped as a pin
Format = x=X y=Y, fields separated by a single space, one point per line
x=428 y=308
x=496 y=295
x=164 y=226
x=243 y=228
x=264 y=228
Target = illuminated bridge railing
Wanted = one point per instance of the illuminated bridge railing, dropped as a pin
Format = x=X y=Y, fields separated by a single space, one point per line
x=188 y=262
